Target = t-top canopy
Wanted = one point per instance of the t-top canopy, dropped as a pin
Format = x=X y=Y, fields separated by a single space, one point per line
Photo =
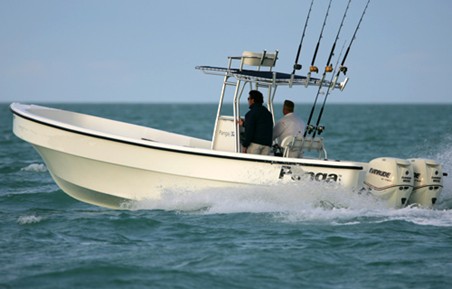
x=265 y=77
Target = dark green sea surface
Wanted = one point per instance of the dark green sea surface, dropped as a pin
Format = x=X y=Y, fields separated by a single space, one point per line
x=313 y=236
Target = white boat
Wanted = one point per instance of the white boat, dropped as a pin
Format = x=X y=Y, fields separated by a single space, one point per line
x=106 y=162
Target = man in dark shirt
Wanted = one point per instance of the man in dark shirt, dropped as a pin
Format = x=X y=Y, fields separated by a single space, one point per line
x=258 y=126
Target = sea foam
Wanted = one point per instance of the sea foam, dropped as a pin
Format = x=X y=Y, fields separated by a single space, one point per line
x=38 y=168
x=31 y=219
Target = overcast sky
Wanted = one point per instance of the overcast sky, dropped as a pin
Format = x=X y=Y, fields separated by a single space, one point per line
x=146 y=51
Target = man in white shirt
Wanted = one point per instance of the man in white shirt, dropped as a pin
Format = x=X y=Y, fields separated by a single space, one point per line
x=289 y=124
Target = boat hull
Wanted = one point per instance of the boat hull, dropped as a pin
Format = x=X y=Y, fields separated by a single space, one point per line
x=108 y=170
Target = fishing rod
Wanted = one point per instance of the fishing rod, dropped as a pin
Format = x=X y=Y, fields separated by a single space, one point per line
x=342 y=68
x=328 y=68
x=297 y=66
x=314 y=68
x=318 y=128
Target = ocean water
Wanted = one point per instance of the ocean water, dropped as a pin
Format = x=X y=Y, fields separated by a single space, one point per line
x=313 y=236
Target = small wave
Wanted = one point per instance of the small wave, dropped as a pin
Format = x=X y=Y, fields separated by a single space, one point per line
x=31 y=219
x=38 y=168
x=421 y=216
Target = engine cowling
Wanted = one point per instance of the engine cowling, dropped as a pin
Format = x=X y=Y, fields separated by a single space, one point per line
x=390 y=179
x=428 y=182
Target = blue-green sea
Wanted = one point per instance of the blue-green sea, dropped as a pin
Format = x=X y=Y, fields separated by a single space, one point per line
x=286 y=237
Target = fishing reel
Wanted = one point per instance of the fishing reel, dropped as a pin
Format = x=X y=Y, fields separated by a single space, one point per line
x=320 y=129
x=329 y=68
x=297 y=66
x=343 y=69
x=310 y=128
x=314 y=69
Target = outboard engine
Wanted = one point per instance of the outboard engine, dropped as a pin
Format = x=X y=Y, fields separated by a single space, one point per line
x=428 y=182
x=390 y=179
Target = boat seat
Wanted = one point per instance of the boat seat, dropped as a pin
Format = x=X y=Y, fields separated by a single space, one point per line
x=315 y=144
x=259 y=59
x=292 y=146
x=296 y=146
